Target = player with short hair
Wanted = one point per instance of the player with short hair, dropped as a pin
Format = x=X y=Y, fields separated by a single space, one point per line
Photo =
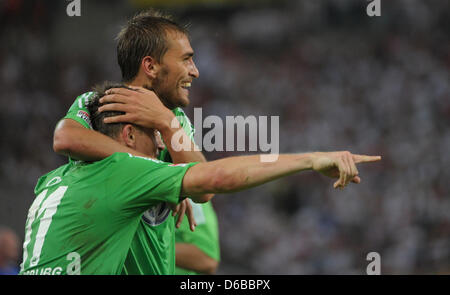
x=85 y=215
x=152 y=51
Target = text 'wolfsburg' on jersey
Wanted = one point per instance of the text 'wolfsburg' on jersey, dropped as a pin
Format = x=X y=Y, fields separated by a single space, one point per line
x=86 y=214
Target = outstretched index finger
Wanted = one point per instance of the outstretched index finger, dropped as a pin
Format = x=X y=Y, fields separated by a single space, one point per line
x=365 y=158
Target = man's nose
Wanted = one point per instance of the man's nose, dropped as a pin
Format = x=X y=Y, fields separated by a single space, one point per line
x=193 y=71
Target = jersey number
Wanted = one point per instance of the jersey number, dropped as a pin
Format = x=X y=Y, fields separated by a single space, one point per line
x=48 y=209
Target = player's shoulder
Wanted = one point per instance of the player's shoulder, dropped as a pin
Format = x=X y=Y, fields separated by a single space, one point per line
x=78 y=111
x=51 y=178
x=86 y=94
x=130 y=158
x=84 y=99
x=81 y=101
x=183 y=119
x=179 y=112
x=146 y=162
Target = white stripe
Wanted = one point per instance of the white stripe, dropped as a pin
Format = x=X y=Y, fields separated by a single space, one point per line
x=49 y=206
x=31 y=216
x=80 y=99
x=80 y=102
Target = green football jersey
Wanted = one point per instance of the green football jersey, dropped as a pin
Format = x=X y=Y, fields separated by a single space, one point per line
x=205 y=236
x=145 y=257
x=85 y=215
x=140 y=259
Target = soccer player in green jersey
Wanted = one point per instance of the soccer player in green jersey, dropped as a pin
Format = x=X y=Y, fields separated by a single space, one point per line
x=85 y=215
x=154 y=51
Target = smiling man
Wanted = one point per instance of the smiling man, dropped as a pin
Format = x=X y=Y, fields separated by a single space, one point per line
x=153 y=52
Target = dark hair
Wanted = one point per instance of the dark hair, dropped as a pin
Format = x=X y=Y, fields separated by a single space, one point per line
x=144 y=35
x=110 y=129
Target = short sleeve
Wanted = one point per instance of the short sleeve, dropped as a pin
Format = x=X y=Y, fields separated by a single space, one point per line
x=186 y=125
x=185 y=122
x=136 y=183
x=79 y=111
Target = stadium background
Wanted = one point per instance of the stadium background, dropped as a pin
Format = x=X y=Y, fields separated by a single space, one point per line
x=337 y=78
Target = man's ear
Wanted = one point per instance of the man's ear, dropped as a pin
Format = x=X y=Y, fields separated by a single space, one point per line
x=150 y=67
x=129 y=135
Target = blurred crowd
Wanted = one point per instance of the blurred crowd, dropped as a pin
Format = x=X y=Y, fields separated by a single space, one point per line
x=337 y=79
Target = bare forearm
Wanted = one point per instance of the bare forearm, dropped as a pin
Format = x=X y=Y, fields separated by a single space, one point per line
x=72 y=139
x=191 y=257
x=240 y=173
x=181 y=152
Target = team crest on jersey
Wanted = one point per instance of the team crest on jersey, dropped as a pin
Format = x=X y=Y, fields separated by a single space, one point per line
x=157 y=214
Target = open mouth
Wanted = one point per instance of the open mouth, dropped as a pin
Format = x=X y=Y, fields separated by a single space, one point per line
x=186 y=85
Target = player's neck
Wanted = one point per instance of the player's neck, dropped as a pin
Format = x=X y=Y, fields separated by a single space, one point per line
x=139 y=82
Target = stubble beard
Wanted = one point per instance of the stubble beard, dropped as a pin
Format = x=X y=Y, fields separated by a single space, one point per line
x=166 y=95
